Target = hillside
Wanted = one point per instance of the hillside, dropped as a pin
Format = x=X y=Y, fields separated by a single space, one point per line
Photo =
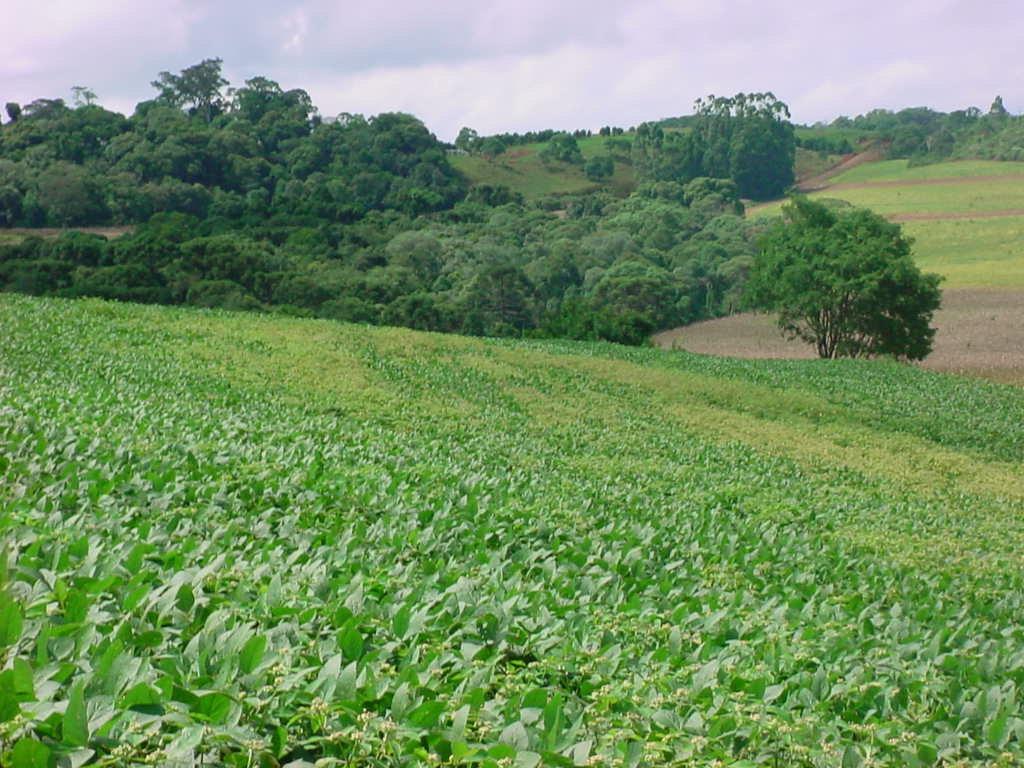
x=243 y=539
x=521 y=169
x=967 y=217
x=967 y=222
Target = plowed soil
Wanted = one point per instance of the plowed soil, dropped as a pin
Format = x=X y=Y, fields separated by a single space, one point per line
x=980 y=332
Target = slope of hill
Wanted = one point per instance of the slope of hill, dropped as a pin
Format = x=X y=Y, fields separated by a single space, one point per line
x=521 y=169
x=243 y=539
x=967 y=218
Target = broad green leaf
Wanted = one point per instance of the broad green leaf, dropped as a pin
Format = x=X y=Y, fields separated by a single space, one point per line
x=213 y=708
x=10 y=621
x=352 y=644
x=426 y=715
x=75 y=731
x=29 y=753
x=252 y=653
x=852 y=757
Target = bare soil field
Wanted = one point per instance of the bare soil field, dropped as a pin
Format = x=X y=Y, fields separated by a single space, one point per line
x=980 y=333
x=48 y=232
x=947 y=216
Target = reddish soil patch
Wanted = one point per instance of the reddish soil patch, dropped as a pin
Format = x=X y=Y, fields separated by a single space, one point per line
x=821 y=181
x=945 y=181
x=108 y=232
x=954 y=215
x=980 y=332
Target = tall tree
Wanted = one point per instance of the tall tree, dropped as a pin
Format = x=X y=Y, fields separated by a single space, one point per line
x=845 y=283
x=82 y=96
x=198 y=87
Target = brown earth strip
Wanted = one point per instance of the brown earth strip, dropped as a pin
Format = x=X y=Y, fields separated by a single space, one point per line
x=938 y=182
x=980 y=332
x=821 y=181
x=47 y=232
x=954 y=215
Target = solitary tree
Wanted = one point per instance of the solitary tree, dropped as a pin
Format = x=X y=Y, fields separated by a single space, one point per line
x=846 y=283
x=198 y=86
x=82 y=96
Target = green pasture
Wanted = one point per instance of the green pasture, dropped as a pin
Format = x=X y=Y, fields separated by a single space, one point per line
x=235 y=539
x=521 y=169
x=900 y=170
x=983 y=251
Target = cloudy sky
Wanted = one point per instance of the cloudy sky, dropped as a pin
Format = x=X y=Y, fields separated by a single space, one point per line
x=500 y=65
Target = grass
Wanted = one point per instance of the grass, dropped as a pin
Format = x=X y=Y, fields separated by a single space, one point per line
x=899 y=170
x=248 y=540
x=972 y=252
x=521 y=169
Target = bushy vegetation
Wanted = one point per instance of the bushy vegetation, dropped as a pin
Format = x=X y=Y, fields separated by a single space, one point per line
x=926 y=135
x=247 y=199
x=232 y=539
x=747 y=138
x=846 y=283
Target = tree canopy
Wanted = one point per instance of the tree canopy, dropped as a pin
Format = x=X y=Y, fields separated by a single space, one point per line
x=747 y=138
x=845 y=282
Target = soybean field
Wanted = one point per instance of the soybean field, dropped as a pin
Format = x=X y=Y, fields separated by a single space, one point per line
x=248 y=540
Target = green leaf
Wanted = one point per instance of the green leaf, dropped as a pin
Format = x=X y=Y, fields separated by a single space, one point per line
x=252 y=653
x=515 y=735
x=140 y=696
x=29 y=753
x=927 y=753
x=852 y=757
x=426 y=715
x=10 y=621
x=352 y=644
x=400 y=623
x=75 y=731
x=185 y=598
x=998 y=731
x=213 y=708
x=9 y=708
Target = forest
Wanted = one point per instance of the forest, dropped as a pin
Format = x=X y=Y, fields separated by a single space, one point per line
x=248 y=198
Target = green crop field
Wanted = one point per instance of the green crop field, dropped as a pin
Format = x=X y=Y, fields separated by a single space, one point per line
x=234 y=539
x=967 y=218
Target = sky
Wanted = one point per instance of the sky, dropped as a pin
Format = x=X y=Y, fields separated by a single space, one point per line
x=517 y=65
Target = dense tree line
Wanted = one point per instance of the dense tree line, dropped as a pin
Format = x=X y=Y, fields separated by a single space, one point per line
x=922 y=134
x=608 y=268
x=254 y=152
x=468 y=140
x=747 y=138
x=246 y=199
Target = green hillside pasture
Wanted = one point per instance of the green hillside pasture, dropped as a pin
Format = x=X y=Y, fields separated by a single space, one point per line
x=963 y=197
x=521 y=169
x=972 y=252
x=967 y=218
x=900 y=171
x=246 y=540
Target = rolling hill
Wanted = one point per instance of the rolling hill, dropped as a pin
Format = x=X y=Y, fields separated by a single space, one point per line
x=967 y=218
x=967 y=221
x=245 y=539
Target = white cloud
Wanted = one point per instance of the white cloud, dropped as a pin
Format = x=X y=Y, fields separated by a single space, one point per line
x=522 y=64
